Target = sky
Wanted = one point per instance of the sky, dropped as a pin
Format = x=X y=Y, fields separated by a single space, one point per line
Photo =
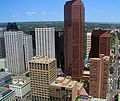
x=53 y=10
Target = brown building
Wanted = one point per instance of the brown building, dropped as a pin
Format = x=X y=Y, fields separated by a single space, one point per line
x=99 y=71
x=63 y=89
x=100 y=43
x=42 y=73
x=74 y=38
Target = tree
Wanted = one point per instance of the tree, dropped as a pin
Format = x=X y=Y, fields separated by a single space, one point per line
x=111 y=70
x=2 y=70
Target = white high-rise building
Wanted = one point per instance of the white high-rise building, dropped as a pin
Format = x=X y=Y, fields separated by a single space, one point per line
x=45 y=42
x=88 y=44
x=28 y=49
x=14 y=52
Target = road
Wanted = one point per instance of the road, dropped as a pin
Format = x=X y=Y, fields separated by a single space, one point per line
x=113 y=79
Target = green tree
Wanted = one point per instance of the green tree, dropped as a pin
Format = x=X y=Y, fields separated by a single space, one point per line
x=111 y=70
x=2 y=70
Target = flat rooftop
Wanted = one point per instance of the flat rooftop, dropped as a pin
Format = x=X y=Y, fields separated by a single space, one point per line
x=3 y=74
x=44 y=60
x=63 y=82
x=20 y=81
x=44 y=27
x=95 y=59
x=97 y=99
x=4 y=91
x=86 y=72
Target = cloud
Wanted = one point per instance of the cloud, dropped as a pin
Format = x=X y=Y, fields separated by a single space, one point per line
x=14 y=16
x=47 y=13
x=31 y=13
x=44 y=13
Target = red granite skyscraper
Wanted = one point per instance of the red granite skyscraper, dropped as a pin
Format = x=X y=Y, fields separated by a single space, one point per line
x=74 y=38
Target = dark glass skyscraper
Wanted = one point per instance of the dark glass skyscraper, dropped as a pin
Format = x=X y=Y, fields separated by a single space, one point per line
x=100 y=43
x=74 y=38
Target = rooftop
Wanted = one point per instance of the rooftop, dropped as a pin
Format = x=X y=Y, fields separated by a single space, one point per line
x=4 y=91
x=97 y=99
x=106 y=58
x=101 y=33
x=3 y=74
x=63 y=82
x=26 y=35
x=89 y=33
x=20 y=81
x=95 y=59
x=13 y=31
x=44 y=27
x=45 y=60
x=86 y=72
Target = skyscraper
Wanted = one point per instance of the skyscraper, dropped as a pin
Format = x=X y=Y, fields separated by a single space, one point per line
x=42 y=74
x=59 y=48
x=2 y=44
x=99 y=72
x=28 y=48
x=45 y=42
x=14 y=52
x=12 y=27
x=74 y=38
x=88 y=48
x=100 y=43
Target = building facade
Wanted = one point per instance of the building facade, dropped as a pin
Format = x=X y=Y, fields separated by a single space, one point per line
x=21 y=86
x=2 y=44
x=100 y=43
x=42 y=74
x=74 y=38
x=45 y=42
x=2 y=63
x=5 y=78
x=99 y=72
x=7 y=94
x=88 y=44
x=63 y=89
x=59 y=48
x=28 y=49
x=14 y=52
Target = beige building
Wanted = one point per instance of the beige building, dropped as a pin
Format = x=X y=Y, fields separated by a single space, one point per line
x=21 y=86
x=42 y=74
x=99 y=71
x=63 y=89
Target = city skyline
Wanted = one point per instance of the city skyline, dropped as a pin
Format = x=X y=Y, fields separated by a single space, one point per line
x=24 y=10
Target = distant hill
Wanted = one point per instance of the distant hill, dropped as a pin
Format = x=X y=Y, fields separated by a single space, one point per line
x=59 y=25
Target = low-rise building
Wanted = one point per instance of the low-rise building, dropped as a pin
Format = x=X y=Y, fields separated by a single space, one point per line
x=5 y=78
x=21 y=86
x=2 y=63
x=7 y=94
x=63 y=89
